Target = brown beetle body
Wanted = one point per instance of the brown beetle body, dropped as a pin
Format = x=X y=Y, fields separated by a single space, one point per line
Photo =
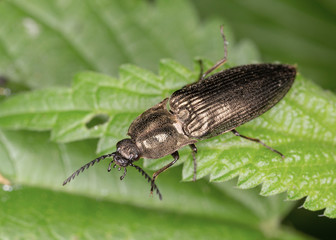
x=206 y=108
x=210 y=107
x=230 y=98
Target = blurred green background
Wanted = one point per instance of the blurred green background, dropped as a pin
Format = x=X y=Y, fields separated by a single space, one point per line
x=44 y=43
x=300 y=31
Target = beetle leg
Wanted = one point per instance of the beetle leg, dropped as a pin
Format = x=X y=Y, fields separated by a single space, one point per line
x=176 y=157
x=201 y=70
x=194 y=151
x=122 y=176
x=220 y=62
x=109 y=166
x=234 y=131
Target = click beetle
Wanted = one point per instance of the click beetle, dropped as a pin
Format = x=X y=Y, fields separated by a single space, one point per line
x=209 y=107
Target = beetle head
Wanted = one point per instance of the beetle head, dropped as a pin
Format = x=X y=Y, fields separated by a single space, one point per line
x=127 y=152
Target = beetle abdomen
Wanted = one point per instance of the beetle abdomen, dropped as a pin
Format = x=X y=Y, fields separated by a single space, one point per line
x=230 y=98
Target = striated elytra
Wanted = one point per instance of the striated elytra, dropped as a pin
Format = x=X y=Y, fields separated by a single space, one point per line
x=211 y=106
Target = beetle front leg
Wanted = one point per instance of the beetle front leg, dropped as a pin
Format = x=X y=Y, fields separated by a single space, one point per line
x=234 y=131
x=122 y=176
x=194 y=151
x=176 y=157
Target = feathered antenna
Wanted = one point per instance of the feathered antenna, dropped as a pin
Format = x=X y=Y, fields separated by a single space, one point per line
x=153 y=185
x=87 y=166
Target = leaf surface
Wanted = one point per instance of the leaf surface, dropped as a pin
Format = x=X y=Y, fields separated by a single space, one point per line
x=301 y=126
x=36 y=205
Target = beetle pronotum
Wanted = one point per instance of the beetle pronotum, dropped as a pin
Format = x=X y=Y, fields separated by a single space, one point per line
x=209 y=107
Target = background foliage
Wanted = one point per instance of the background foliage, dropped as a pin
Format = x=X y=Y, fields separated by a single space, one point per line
x=44 y=44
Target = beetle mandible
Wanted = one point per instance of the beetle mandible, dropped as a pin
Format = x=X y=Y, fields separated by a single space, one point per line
x=209 y=107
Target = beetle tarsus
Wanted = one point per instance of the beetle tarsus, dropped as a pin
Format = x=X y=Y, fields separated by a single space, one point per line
x=194 y=151
x=122 y=176
x=234 y=131
x=110 y=166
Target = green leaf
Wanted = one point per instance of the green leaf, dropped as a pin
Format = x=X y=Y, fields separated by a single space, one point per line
x=301 y=126
x=300 y=31
x=40 y=207
x=44 y=43
x=66 y=216
x=53 y=40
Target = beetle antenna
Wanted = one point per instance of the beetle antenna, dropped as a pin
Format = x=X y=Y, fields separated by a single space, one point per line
x=87 y=166
x=153 y=185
